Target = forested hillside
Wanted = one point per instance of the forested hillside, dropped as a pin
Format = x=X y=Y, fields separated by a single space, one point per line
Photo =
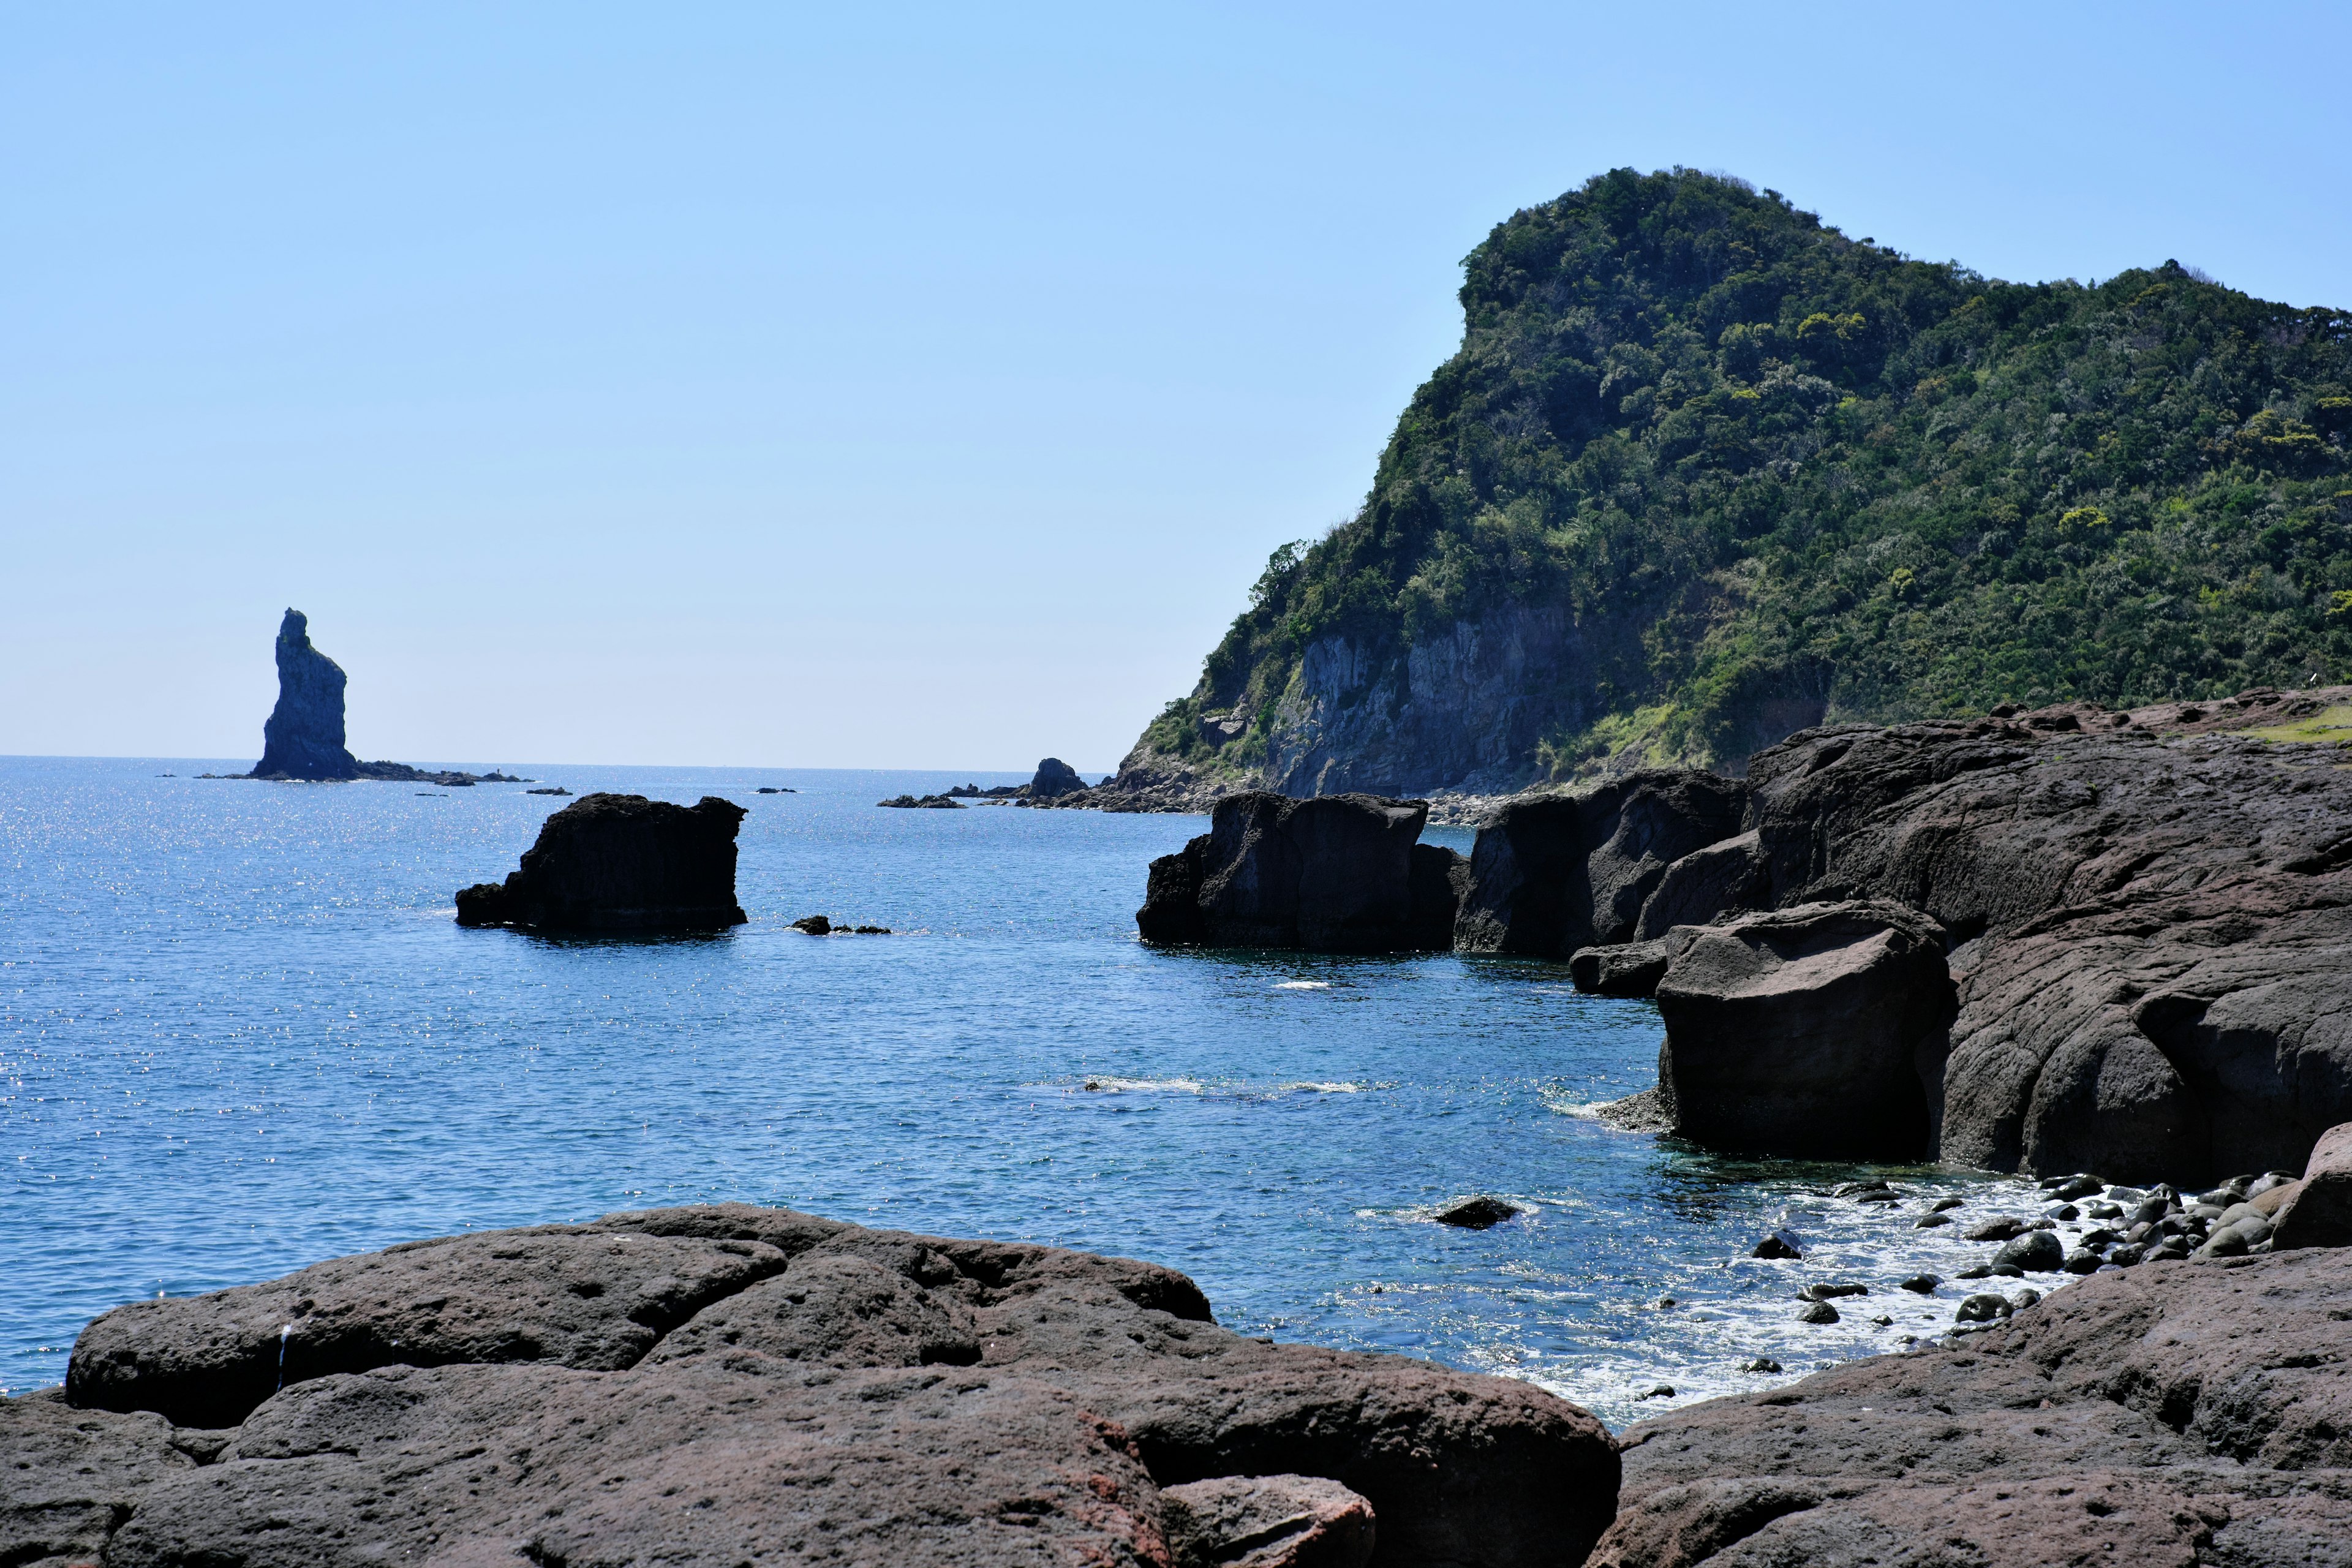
x=1705 y=470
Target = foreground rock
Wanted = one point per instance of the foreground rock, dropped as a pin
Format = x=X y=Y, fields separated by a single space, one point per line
x=726 y=1383
x=1339 y=874
x=620 y=863
x=2317 y=1211
x=1800 y=1032
x=2178 y=1414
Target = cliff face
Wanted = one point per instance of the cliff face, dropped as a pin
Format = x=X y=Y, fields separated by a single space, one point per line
x=303 y=736
x=1705 y=471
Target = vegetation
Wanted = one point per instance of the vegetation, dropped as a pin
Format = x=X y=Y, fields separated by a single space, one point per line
x=1761 y=464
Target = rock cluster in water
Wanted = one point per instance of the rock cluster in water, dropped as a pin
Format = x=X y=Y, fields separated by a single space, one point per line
x=620 y=862
x=2045 y=941
x=1339 y=874
x=727 y=1383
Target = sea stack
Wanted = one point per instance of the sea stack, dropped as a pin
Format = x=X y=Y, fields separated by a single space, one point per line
x=303 y=737
x=620 y=862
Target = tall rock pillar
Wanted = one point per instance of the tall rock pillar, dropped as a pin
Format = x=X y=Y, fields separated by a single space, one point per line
x=303 y=737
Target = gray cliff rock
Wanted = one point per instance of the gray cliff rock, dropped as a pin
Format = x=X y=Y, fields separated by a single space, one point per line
x=303 y=736
x=2174 y=1414
x=1798 y=1032
x=620 y=862
x=727 y=1383
x=1339 y=874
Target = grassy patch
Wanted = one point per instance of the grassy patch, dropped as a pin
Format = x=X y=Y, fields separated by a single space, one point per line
x=2335 y=724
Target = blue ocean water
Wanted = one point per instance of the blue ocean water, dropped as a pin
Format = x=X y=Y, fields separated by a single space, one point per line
x=240 y=1032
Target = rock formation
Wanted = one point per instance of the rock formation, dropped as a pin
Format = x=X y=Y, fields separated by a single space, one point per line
x=1339 y=874
x=620 y=862
x=2176 y=1414
x=303 y=736
x=1798 y=1032
x=727 y=1383
x=1052 y=779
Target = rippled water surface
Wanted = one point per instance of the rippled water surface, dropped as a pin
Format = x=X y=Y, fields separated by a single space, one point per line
x=240 y=1032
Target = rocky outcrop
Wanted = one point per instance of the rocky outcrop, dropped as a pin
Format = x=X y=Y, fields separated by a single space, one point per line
x=620 y=863
x=1800 y=1032
x=2176 y=1414
x=1553 y=873
x=1339 y=874
x=1626 y=968
x=2152 y=933
x=727 y=1383
x=303 y=736
x=2317 y=1211
x=1052 y=779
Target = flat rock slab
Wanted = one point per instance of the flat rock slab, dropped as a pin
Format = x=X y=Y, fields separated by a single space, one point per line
x=724 y=1384
x=2176 y=1413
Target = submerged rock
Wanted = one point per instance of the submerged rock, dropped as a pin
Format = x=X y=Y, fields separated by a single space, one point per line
x=1797 y=1032
x=303 y=736
x=717 y=1384
x=1481 y=1212
x=620 y=862
x=1338 y=874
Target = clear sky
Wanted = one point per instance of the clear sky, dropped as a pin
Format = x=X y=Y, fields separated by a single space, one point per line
x=878 y=385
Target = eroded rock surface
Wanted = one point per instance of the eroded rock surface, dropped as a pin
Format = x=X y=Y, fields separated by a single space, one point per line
x=303 y=736
x=722 y=1384
x=2179 y=1413
x=620 y=862
x=1339 y=874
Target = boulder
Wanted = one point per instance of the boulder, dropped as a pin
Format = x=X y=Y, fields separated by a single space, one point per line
x=725 y=1384
x=2319 y=1211
x=1628 y=969
x=1800 y=1032
x=1550 y=874
x=1336 y=874
x=620 y=863
x=1704 y=883
x=2173 y=1413
x=303 y=736
x=1054 y=779
x=1267 y=1522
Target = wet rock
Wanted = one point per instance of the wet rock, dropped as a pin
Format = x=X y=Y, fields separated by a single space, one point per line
x=857 y=1395
x=1658 y=1391
x=2037 y=1251
x=1642 y=1113
x=1818 y=1312
x=1930 y=1220
x=1923 y=1284
x=620 y=863
x=1832 y=1292
x=2001 y=1228
x=1780 y=1243
x=1481 y=1212
x=1860 y=1189
x=1267 y=1522
x=815 y=925
x=1942 y=1205
x=303 y=736
x=1982 y=1309
x=1628 y=969
x=2077 y=1187
x=1796 y=1032
x=1762 y=1363
x=2319 y=1212
x=1336 y=874
x=2081 y=1260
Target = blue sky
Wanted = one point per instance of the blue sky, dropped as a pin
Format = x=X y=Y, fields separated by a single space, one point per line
x=913 y=386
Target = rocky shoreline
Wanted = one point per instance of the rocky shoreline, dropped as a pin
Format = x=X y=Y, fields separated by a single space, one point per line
x=723 y=1384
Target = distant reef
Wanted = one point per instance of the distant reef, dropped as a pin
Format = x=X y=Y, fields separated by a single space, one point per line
x=1705 y=471
x=302 y=739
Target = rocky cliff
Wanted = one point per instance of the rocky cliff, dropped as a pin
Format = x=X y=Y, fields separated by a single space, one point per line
x=1705 y=471
x=303 y=736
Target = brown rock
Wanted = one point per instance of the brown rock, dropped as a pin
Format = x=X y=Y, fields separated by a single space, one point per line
x=2188 y=1412
x=1797 y=1031
x=1629 y=969
x=2318 y=1210
x=1267 y=1522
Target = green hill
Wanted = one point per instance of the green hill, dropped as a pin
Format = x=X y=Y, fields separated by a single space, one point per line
x=1705 y=470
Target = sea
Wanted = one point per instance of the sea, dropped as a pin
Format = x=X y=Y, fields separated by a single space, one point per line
x=240 y=1031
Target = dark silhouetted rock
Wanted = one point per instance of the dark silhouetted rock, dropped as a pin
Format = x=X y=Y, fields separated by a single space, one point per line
x=718 y=1385
x=2317 y=1211
x=920 y=803
x=1550 y=874
x=1629 y=969
x=815 y=925
x=2174 y=1412
x=1481 y=1212
x=1054 y=779
x=303 y=736
x=1267 y=1522
x=1336 y=874
x=1780 y=1243
x=1797 y=1032
x=620 y=862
